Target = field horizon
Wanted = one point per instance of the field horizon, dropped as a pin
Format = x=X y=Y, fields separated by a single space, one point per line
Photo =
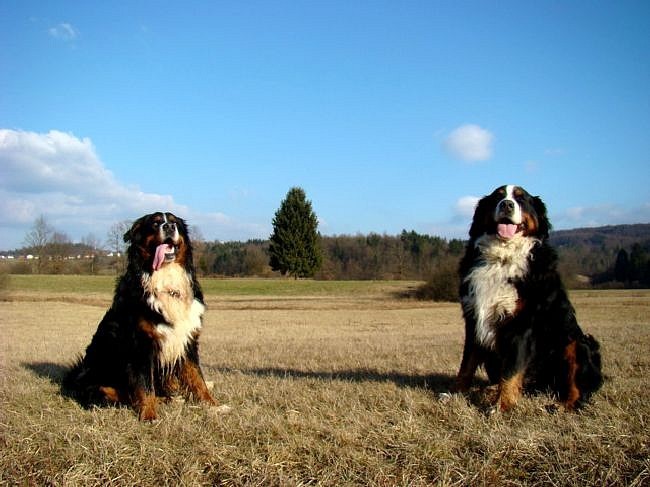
x=329 y=383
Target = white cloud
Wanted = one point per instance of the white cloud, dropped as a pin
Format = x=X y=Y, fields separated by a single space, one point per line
x=61 y=176
x=226 y=228
x=469 y=143
x=458 y=222
x=63 y=31
x=34 y=162
x=465 y=206
x=589 y=216
x=64 y=171
x=599 y=215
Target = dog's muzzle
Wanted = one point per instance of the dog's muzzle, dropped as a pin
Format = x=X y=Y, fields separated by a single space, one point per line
x=169 y=233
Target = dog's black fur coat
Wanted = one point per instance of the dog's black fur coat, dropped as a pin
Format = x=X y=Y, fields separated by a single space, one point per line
x=123 y=364
x=539 y=344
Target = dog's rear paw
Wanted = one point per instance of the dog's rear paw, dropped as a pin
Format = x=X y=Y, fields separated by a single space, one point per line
x=445 y=397
x=223 y=409
x=552 y=408
x=218 y=411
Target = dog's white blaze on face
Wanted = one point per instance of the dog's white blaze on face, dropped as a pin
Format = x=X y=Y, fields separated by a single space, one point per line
x=516 y=216
x=162 y=229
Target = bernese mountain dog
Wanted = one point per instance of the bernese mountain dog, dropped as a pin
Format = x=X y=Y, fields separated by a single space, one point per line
x=519 y=323
x=146 y=346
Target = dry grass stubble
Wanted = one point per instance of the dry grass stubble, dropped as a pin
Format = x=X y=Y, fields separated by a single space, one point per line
x=324 y=390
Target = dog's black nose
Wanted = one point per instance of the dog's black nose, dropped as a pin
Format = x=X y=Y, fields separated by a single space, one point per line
x=507 y=206
x=169 y=228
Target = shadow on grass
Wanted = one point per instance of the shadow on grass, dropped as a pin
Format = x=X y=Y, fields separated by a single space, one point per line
x=411 y=293
x=48 y=370
x=425 y=292
x=55 y=373
x=434 y=382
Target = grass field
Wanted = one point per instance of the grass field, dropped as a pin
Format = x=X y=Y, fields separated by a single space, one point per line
x=211 y=286
x=330 y=383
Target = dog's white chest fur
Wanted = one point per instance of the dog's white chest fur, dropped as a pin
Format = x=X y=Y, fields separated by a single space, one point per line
x=169 y=292
x=492 y=294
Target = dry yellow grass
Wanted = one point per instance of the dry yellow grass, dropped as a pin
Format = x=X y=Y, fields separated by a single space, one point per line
x=325 y=389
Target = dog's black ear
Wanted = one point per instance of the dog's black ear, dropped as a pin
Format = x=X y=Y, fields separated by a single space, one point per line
x=133 y=233
x=543 y=224
x=482 y=216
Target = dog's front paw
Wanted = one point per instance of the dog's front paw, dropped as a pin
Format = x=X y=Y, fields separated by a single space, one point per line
x=146 y=408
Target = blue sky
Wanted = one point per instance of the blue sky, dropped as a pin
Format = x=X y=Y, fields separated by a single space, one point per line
x=391 y=115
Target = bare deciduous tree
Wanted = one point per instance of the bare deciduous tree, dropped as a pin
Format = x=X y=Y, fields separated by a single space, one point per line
x=38 y=238
x=115 y=242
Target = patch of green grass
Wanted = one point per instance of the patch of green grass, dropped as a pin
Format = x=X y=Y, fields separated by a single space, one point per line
x=61 y=283
x=300 y=287
x=211 y=286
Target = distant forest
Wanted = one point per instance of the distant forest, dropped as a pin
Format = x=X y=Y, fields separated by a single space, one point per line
x=411 y=256
x=611 y=256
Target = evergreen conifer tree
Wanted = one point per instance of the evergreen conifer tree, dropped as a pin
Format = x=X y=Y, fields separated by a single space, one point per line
x=294 y=245
x=622 y=266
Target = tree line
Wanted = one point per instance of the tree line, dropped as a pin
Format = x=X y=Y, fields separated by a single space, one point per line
x=631 y=269
x=409 y=256
x=616 y=256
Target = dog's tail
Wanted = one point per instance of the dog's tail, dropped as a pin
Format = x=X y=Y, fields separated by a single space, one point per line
x=589 y=376
x=71 y=377
x=75 y=383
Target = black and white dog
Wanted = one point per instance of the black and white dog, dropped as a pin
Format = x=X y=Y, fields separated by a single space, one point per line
x=519 y=323
x=146 y=346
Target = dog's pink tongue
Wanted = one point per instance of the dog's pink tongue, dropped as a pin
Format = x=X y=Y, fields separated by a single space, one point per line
x=159 y=258
x=506 y=230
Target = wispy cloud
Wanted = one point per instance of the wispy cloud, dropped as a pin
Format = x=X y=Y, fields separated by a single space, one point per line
x=554 y=151
x=64 y=32
x=61 y=176
x=469 y=143
x=531 y=166
x=598 y=215
x=458 y=222
x=465 y=207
